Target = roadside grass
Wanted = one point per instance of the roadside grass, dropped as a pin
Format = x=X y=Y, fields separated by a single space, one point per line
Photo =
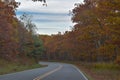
x=100 y=71
x=10 y=67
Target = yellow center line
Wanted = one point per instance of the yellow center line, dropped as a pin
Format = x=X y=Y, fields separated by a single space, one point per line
x=48 y=73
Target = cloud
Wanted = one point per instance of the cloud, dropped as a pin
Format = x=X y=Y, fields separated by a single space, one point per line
x=54 y=6
x=50 y=19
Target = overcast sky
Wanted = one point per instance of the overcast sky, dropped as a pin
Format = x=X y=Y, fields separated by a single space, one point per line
x=51 y=19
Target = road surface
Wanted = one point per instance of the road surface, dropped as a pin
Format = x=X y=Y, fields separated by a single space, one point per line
x=54 y=71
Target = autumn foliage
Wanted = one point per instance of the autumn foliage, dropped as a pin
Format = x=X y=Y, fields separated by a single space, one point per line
x=17 y=40
x=95 y=36
x=8 y=30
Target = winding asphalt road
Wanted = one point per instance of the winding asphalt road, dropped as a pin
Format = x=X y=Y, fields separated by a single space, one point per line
x=54 y=71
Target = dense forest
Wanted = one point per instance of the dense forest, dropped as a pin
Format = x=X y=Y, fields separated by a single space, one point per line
x=18 y=40
x=95 y=37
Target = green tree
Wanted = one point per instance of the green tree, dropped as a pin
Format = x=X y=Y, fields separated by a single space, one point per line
x=38 y=50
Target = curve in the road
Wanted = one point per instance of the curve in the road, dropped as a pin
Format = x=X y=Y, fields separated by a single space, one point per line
x=48 y=73
x=67 y=72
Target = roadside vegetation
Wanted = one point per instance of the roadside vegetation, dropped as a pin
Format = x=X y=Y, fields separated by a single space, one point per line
x=10 y=67
x=100 y=71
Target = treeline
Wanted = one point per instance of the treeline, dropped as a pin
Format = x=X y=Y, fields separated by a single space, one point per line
x=18 y=41
x=94 y=37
